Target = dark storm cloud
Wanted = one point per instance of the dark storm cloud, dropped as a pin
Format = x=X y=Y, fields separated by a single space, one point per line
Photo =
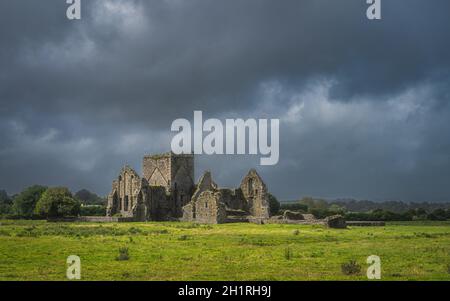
x=79 y=98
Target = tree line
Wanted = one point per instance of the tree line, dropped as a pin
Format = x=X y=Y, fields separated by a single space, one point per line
x=369 y=210
x=37 y=202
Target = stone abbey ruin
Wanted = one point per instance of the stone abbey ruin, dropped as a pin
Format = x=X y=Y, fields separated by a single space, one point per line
x=167 y=191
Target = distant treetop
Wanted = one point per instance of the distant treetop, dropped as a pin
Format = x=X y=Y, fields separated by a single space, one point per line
x=89 y=198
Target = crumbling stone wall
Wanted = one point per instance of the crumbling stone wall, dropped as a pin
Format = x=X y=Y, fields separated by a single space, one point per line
x=125 y=191
x=234 y=199
x=188 y=212
x=182 y=180
x=335 y=221
x=205 y=183
x=255 y=192
x=207 y=203
x=248 y=202
x=209 y=209
x=132 y=196
x=293 y=215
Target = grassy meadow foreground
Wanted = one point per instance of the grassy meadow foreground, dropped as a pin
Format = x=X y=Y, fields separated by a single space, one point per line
x=37 y=250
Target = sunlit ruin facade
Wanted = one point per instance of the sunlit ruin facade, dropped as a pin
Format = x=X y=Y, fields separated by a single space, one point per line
x=167 y=191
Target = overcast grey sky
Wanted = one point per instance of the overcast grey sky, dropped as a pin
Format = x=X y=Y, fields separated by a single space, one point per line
x=364 y=106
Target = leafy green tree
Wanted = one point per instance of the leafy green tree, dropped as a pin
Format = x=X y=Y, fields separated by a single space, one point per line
x=336 y=209
x=438 y=215
x=314 y=203
x=57 y=202
x=274 y=204
x=5 y=203
x=25 y=202
x=3 y=196
x=89 y=198
x=93 y=210
x=294 y=207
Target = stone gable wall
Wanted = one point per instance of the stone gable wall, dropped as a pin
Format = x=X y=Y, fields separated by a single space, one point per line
x=157 y=170
x=255 y=192
x=209 y=209
x=124 y=194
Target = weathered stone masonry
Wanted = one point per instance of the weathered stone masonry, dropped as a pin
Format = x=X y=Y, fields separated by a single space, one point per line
x=214 y=205
x=167 y=191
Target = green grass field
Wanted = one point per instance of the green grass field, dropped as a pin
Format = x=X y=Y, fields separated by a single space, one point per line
x=37 y=250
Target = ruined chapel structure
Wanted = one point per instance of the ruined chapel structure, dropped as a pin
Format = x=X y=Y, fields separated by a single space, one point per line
x=166 y=191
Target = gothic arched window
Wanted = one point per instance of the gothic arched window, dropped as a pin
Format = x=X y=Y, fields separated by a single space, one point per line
x=250 y=186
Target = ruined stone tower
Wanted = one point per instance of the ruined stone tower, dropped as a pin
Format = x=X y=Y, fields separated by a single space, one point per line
x=173 y=172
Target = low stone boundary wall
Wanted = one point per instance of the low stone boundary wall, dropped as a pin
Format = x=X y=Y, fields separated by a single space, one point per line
x=335 y=221
x=106 y=219
x=236 y=219
x=240 y=219
x=323 y=222
x=366 y=223
x=296 y=222
x=98 y=219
